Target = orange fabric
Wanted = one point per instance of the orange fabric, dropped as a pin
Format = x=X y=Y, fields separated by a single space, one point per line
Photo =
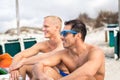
x=5 y=60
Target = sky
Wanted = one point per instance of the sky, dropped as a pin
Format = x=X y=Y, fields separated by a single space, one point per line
x=32 y=12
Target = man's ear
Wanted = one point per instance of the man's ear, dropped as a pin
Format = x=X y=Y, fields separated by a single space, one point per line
x=57 y=27
x=79 y=35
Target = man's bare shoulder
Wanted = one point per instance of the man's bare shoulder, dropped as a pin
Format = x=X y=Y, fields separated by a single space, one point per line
x=95 y=51
x=43 y=43
x=40 y=45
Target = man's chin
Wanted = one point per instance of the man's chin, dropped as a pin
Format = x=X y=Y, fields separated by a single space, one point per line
x=46 y=36
x=65 y=46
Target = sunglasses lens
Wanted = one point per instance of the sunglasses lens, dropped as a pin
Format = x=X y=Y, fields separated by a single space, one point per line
x=64 y=33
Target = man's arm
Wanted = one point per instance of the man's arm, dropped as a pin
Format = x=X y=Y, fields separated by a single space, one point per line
x=50 y=61
x=36 y=58
x=88 y=69
x=26 y=53
x=31 y=60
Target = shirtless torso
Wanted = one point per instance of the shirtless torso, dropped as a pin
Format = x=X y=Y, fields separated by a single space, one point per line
x=73 y=61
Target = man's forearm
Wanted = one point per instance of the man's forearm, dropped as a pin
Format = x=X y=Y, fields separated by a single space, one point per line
x=24 y=54
x=16 y=59
x=32 y=60
x=35 y=59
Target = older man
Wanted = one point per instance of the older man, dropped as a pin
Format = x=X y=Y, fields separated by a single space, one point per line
x=84 y=61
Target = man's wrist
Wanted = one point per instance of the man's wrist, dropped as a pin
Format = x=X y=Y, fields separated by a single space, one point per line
x=23 y=61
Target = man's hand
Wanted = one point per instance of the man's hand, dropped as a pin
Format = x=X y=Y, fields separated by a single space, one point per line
x=11 y=66
x=16 y=66
x=14 y=75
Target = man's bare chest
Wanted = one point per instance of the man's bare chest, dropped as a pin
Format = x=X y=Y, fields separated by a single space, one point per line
x=73 y=62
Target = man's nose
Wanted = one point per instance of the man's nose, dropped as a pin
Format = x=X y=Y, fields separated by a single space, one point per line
x=43 y=29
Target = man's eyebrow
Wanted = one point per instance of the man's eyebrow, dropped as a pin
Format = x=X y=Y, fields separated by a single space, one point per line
x=45 y=26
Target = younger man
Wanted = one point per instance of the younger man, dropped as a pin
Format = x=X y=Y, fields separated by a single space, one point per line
x=24 y=61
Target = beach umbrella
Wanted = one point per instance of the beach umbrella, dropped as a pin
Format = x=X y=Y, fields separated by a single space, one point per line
x=17 y=17
x=18 y=25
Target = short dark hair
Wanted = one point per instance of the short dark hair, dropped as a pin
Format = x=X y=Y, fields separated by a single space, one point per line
x=77 y=26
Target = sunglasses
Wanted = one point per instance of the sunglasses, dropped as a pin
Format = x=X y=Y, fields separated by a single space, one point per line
x=65 y=32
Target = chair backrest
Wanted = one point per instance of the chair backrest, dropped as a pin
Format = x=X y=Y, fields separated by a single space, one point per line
x=15 y=46
x=12 y=48
x=1 y=51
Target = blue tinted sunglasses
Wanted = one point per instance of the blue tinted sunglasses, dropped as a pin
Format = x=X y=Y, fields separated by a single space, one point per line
x=65 y=32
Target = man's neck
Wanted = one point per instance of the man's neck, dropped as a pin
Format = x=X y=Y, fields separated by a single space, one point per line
x=55 y=40
x=79 y=48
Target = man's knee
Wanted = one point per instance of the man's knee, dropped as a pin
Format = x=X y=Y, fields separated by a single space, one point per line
x=49 y=71
x=26 y=70
x=52 y=72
